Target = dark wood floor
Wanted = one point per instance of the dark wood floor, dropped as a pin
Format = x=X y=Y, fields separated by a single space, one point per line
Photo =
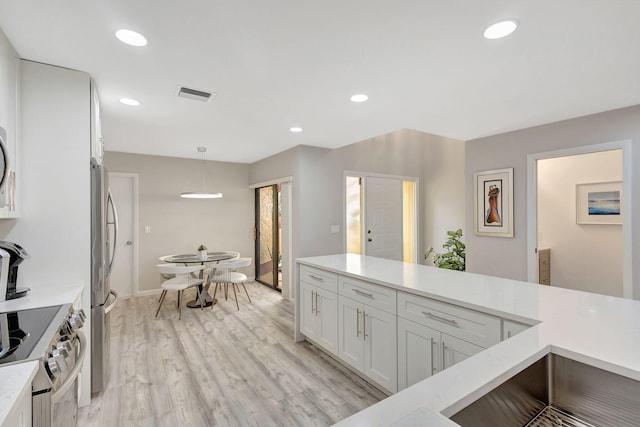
x=220 y=367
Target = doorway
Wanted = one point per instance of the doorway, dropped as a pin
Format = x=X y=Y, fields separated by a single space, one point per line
x=380 y=216
x=268 y=236
x=559 y=187
x=124 y=190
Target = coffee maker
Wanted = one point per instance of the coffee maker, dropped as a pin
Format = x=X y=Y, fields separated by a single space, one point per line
x=9 y=270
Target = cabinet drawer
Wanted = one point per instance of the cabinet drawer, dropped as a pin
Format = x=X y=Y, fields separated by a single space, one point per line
x=318 y=277
x=469 y=325
x=368 y=293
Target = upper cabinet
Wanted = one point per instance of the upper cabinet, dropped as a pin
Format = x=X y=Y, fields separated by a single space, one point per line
x=9 y=107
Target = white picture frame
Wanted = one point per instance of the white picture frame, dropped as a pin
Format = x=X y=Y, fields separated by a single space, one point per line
x=493 y=201
x=599 y=203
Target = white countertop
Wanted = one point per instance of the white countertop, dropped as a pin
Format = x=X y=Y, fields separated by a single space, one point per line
x=14 y=378
x=599 y=330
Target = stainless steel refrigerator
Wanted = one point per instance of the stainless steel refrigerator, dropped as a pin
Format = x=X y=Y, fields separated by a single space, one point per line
x=104 y=232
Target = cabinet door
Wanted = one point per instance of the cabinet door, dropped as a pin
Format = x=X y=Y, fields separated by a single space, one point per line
x=307 y=311
x=417 y=352
x=455 y=350
x=327 y=317
x=380 y=347
x=350 y=345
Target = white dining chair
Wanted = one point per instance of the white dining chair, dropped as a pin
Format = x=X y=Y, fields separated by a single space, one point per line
x=226 y=274
x=183 y=279
x=210 y=269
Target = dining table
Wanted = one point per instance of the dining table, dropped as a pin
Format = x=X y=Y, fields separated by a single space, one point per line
x=187 y=259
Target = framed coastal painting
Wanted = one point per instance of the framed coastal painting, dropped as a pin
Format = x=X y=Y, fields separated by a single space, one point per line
x=493 y=201
x=599 y=203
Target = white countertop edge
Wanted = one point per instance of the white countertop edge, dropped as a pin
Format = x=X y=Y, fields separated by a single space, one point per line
x=45 y=295
x=15 y=380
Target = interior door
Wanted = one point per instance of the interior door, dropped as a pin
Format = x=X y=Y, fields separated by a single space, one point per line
x=122 y=275
x=383 y=218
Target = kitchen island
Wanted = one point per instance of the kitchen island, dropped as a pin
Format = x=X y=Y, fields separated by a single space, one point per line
x=598 y=330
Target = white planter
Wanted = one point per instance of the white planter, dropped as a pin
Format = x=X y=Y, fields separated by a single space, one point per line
x=203 y=254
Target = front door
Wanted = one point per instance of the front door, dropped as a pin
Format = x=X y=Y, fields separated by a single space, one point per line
x=383 y=233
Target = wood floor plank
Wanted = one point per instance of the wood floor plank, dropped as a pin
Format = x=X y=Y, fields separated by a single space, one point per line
x=220 y=367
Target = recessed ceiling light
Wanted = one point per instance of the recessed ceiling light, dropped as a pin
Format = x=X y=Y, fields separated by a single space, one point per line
x=361 y=97
x=501 y=29
x=129 y=101
x=294 y=129
x=131 y=38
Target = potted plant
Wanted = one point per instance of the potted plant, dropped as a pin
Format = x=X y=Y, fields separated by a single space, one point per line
x=454 y=257
x=202 y=251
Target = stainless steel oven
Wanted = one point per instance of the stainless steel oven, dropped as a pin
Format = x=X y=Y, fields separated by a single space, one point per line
x=51 y=336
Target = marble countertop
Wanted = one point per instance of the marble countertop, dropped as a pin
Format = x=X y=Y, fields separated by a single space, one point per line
x=599 y=330
x=14 y=378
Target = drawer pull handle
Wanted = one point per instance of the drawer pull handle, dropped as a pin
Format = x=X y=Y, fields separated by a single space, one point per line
x=319 y=279
x=364 y=294
x=441 y=319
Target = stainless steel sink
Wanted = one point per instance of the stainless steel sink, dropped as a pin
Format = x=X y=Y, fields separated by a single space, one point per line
x=557 y=391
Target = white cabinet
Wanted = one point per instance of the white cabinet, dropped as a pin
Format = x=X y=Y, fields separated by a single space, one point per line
x=433 y=335
x=319 y=316
x=367 y=334
x=511 y=328
x=319 y=307
x=20 y=414
x=9 y=121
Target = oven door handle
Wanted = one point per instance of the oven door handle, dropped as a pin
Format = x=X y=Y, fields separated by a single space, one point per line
x=71 y=379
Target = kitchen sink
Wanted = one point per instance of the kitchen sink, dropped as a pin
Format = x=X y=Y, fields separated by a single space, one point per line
x=557 y=391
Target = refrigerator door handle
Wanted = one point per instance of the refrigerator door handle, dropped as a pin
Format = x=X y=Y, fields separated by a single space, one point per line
x=113 y=304
x=115 y=230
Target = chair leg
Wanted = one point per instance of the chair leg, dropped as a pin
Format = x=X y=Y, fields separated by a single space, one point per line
x=226 y=291
x=200 y=297
x=233 y=286
x=245 y=291
x=162 y=295
x=215 y=291
x=179 y=305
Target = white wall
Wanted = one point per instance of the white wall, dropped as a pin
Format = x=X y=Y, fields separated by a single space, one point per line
x=318 y=176
x=179 y=225
x=504 y=257
x=583 y=257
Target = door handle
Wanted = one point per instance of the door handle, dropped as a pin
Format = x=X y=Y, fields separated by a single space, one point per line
x=357 y=322
x=369 y=239
x=313 y=310
x=129 y=243
x=317 y=311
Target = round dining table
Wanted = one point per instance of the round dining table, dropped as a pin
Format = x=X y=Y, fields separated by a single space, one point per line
x=187 y=259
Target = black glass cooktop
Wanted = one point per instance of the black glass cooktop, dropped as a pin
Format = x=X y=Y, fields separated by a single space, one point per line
x=24 y=328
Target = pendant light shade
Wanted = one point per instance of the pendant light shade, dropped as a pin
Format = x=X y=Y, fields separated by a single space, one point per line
x=203 y=194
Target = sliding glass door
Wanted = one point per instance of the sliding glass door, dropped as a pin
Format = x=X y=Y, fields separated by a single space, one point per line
x=268 y=236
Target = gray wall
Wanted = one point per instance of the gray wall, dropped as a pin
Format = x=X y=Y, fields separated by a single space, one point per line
x=179 y=225
x=507 y=257
x=318 y=176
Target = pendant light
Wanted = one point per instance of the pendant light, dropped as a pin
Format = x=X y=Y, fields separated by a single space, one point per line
x=204 y=194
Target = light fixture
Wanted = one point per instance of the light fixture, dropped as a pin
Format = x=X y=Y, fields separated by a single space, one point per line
x=129 y=101
x=204 y=194
x=501 y=29
x=361 y=97
x=295 y=129
x=131 y=38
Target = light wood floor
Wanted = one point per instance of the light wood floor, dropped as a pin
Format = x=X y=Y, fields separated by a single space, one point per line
x=220 y=367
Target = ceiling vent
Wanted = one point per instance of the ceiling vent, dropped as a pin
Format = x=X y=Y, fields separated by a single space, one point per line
x=198 y=95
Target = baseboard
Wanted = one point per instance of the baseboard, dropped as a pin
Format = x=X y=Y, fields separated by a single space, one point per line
x=149 y=292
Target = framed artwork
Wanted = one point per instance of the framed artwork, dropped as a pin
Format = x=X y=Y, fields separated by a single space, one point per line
x=493 y=201
x=599 y=203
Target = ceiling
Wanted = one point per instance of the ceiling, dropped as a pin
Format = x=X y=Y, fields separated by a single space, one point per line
x=281 y=63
